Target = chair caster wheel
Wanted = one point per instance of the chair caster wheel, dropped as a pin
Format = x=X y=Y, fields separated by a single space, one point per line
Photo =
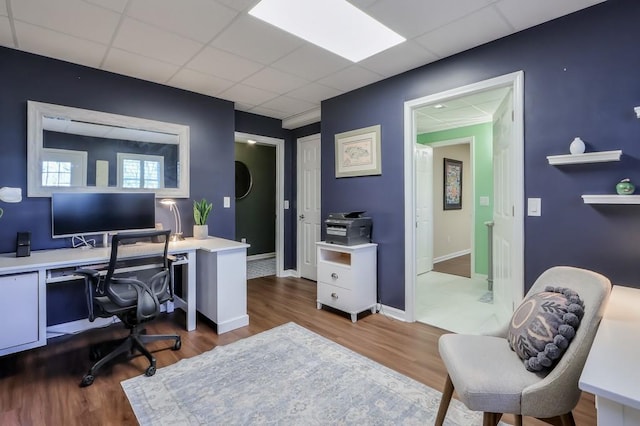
x=150 y=371
x=87 y=380
x=177 y=345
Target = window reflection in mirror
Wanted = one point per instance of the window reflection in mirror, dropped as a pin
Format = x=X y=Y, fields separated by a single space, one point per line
x=79 y=150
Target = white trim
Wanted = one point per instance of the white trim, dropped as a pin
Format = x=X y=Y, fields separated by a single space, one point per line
x=279 y=144
x=391 y=312
x=516 y=80
x=261 y=256
x=302 y=119
x=290 y=273
x=451 y=256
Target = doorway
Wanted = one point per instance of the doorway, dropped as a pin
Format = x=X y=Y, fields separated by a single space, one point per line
x=510 y=189
x=277 y=217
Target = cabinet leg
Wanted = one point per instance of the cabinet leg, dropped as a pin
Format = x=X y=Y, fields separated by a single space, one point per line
x=318 y=305
x=354 y=317
x=373 y=309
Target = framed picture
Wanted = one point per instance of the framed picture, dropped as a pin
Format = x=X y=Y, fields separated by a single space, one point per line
x=452 y=179
x=358 y=152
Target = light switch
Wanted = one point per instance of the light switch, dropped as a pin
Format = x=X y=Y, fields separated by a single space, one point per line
x=227 y=202
x=534 y=207
x=286 y=204
x=484 y=200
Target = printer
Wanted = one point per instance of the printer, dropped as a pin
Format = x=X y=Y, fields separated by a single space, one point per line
x=348 y=229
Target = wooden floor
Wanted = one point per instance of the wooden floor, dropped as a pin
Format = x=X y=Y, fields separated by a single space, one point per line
x=40 y=386
x=460 y=266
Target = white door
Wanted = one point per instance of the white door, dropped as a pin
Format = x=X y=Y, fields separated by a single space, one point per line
x=308 y=204
x=503 y=207
x=424 y=208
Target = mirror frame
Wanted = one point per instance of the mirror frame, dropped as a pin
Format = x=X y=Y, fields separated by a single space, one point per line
x=36 y=111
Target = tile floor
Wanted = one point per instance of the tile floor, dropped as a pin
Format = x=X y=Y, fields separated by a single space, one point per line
x=261 y=268
x=454 y=303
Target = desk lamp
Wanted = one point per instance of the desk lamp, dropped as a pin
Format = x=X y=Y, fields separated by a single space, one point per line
x=177 y=231
x=10 y=195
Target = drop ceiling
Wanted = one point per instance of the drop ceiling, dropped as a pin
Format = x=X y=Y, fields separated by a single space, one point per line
x=215 y=48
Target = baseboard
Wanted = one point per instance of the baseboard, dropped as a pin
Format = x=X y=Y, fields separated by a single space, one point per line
x=261 y=256
x=392 y=312
x=451 y=255
x=232 y=324
x=290 y=273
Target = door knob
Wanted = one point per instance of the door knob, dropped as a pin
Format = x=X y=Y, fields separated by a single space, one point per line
x=301 y=216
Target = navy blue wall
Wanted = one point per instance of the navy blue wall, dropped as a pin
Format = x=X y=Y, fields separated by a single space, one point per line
x=581 y=79
x=30 y=77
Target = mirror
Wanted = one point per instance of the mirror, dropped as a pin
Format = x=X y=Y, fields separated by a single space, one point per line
x=77 y=150
x=243 y=180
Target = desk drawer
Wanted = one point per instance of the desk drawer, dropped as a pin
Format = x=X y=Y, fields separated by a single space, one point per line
x=336 y=297
x=338 y=275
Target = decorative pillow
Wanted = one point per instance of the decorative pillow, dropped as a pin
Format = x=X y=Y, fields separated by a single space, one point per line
x=543 y=325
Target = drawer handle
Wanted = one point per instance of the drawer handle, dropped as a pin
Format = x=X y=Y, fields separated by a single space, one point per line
x=334 y=276
x=334 y=296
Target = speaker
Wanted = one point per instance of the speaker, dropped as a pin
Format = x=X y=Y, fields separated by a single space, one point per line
x=23 y=244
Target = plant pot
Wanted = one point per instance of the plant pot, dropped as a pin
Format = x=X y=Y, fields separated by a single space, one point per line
x=200 y=232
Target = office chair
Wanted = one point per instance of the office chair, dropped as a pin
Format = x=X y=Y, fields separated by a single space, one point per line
x=488 y=376
x=134 y=301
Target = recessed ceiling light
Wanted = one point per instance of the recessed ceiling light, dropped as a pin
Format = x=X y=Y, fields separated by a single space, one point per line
x=335 y=25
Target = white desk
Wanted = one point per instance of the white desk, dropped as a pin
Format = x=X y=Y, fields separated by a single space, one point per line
x=23 y=282
x=612 y=370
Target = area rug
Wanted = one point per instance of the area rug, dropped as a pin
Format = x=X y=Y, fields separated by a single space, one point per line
x=285 y=376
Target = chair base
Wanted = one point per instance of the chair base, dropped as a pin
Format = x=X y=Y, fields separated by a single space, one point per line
x=135 y=341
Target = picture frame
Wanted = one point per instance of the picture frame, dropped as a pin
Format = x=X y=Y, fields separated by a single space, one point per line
x=358 y=152
x=452 y=184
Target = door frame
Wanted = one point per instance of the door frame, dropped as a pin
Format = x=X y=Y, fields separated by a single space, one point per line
x=516 y=81
x=298 y=192
x=279 y=145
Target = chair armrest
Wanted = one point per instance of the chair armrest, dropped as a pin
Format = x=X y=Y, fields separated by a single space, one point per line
x=91 y=280
x=141 y=289
x=501 y=331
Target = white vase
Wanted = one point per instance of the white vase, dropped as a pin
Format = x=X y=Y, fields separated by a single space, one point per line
x=200 y=232
x=577 y=146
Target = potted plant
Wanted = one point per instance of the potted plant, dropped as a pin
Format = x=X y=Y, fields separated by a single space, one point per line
x=201 y=210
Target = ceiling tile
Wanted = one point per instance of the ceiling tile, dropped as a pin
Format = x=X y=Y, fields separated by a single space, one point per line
x=416 y=17
x=275 y=81
x=260 y=110
x=311 y=62
x=123 y=62
x=115 y=5
x=144 y=39
x=256 y=40
x=288 y=105
x=239 y=5
x=524 y=13
x=199 y=20
x=200 y=83
x=351 y=78
x=314 y=93
x=471 y=31
x=405 y=56
x=61 y=46
x=3 y=8
x=6 y=38
x=73 y=17
x=247 y=95
x=222 y=64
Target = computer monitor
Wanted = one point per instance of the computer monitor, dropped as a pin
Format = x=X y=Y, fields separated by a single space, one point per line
x=86 y=213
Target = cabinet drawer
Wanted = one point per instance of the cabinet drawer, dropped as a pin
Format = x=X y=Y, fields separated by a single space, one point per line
x=335 y=274
x=336 y=297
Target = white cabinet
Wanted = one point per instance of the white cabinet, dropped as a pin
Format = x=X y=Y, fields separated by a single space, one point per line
x=347 y=277
x=19 y=312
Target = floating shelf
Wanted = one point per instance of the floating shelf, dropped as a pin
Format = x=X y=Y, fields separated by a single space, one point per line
x=588 y=157
x=611 y=199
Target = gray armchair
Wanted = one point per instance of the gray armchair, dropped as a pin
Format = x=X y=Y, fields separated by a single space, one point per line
x=488 y=376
